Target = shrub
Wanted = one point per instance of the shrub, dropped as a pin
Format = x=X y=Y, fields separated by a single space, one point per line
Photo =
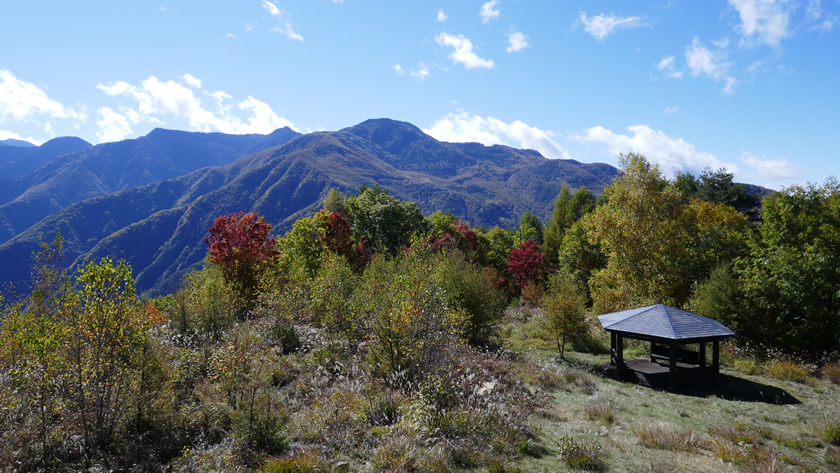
x=602 y=411
x=831 y=372
x=580 y=456
x=787 y=370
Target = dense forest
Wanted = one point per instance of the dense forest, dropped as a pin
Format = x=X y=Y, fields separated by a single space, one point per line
x=370 y=337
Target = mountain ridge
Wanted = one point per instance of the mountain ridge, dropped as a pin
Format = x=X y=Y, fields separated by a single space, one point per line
x=161 y=226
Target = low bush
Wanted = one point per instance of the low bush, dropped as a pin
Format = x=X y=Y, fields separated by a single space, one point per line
x=580 y=456
x=831 y=432
x=831 y=372
x=788 y=370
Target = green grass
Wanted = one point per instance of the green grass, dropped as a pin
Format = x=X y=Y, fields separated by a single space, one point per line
x=755 y=422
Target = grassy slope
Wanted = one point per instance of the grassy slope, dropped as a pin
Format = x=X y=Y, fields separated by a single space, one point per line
x=713 y=430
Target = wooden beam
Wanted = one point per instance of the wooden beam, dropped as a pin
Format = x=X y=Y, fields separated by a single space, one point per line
x=716 y=357
x=702 y=355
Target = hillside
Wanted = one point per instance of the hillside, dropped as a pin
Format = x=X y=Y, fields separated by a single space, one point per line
x=159 y=228
x=35 y=157
x=109 y=167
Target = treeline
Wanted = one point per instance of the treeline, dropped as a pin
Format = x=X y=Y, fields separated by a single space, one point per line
x=367 y=334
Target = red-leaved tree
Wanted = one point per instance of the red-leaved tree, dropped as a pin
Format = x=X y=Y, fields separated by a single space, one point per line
x=240 y=245
x=525 y=264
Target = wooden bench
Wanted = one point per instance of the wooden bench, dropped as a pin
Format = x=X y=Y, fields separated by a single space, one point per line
x=663 y=352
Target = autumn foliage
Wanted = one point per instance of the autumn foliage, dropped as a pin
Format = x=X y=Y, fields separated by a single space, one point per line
x=525 y=264
x=240 y=245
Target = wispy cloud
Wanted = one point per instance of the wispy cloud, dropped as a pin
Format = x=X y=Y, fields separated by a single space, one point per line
x=516 y=42
x=703 y=61
x=421 y=72
x=398 y=69
x=763 y=21
x=230 y=36
x=441 y=16
x=156 y=99
x=463 y=51
x=666 y=65
x=672 y=154
x=464 y=127
x=10 y=135
x=489 y=11
x=772 y=169
x=670 y=110
x=602 y=25
x=285 y=24
x=814 y=13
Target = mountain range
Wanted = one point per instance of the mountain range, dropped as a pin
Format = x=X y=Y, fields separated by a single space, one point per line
x=151 y=200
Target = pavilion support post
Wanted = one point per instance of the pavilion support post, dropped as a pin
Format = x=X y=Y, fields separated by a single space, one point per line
x=613 y=352
x=672 y=366
x=702 y=355
x=716 y=357
x=619 y=351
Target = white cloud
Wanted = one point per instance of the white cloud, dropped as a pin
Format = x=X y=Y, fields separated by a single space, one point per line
x=464 y=127
x=516 y=42
x=441 y=16
x=113 y=126
x=763 y=21
x=463 y=52
x=398 y=69
x=602 y=25
x=729 y=88
x=230 y=36
x=815 y=13
x=286 y=27
x=489 y=11
x=191 y=81
x=24 y=101
x=670 y=110
x=770 y=168
x=666 y=65
x=156 y=99
x=421 y=72
x=10 y=135
x=672 y=154
x=703 y=61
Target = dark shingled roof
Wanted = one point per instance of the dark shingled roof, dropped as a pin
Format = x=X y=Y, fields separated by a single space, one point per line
x=664 y=321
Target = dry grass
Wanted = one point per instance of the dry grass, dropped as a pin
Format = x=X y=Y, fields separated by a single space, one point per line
x=831 y=372
x=666 y=437
x=788 y=370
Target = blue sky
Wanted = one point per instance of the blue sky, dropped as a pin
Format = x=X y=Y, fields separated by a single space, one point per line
x=750 y=85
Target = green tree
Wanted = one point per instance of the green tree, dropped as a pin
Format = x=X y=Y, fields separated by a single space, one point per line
x=383 y=222
x=103 y=335
x=791 y=283
x=568 y=209
x=564 y=310
x=530 y=228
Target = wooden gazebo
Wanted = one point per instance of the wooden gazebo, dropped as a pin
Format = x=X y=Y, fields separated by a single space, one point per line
x=671 y=332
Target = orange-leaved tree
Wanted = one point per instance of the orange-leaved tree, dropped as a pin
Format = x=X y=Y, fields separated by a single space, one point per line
x=240 y=245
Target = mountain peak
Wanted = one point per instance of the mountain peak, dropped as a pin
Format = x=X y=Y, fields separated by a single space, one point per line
x=17 y=143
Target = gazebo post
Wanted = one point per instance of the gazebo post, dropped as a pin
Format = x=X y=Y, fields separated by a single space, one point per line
x=702 y=354
x=716 y=357
x=672 y=366
x=619 y=352
x=613 y=352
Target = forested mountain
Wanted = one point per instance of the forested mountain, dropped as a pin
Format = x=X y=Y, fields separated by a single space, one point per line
x=109 y=167
x=27 y=159
x=159 y=228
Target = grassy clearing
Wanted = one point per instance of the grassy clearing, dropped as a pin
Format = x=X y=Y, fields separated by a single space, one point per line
x=755 y=422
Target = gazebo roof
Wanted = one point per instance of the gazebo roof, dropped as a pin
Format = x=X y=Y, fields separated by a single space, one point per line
x=665 y=322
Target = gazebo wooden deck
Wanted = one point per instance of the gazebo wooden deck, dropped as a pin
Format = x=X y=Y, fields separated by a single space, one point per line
x=670 y=331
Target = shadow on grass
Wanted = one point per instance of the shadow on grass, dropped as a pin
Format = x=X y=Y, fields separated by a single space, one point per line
x=728 y=387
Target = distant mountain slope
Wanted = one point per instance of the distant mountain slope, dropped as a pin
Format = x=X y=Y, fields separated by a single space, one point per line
x=38 y=156
x=159 y=228
x=17 y=143
x=109 y=167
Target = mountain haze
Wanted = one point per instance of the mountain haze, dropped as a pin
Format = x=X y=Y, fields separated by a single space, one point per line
x=159 y=228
